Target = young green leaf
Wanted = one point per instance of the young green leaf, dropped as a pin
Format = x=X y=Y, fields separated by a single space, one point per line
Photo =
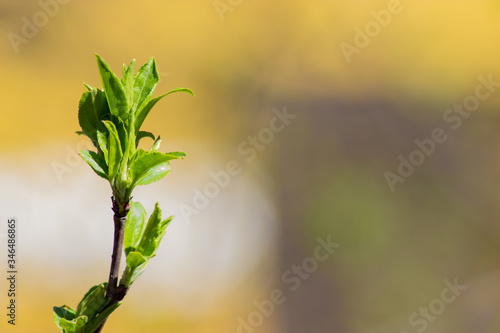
x=176 y=154
x=131 y=148
x=93 y=302
x=97 y=163
x=102 y=139
x=134 y=227
x=75 y=326
x=144 y=83
x=115 y=92
x=92 y=108
x=143 y=134
x=86 y=115
x=65 y=312
x=139 y=153
x=115 y=150
x=85 y=297
x=149 y=168
x=128 y=80
x=181 y=89
x=155 y=229
x=121 y=185
x=156 y=145
x=143 y=112
x=93 y=325
x=67 y=321
x=122 y=132
x=136 y=264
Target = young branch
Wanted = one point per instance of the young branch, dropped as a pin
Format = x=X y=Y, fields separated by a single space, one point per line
x=114 y=291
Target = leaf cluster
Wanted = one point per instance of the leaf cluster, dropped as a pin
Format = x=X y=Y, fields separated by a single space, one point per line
x=112 y=119
x=90 y=313
x=141 y=240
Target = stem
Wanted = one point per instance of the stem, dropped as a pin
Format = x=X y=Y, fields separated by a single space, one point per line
x=114 y=291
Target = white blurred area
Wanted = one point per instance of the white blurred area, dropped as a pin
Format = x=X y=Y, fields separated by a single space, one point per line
x=65 y=228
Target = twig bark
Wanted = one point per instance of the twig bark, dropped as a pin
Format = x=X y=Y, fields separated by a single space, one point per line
x=114 y=291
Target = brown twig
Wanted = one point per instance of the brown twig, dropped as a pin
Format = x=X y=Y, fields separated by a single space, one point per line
x=114 y=291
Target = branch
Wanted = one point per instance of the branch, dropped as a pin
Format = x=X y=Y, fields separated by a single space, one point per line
x=114 y=291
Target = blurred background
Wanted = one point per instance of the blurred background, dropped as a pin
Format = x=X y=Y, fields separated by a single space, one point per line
x=315 y=108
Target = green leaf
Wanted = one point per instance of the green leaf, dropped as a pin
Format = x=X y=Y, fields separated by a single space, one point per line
x=97 y=163
x=122 y=182
x=135 y=259
x=78 y=311
x=115 y=153
x=67 y=321
x=134 y=227
x=65 y=312
x=122 y=132
x=75 y=326
x=121 y=186
x=100 y=103
x=143 y=112
x=91 y=110
x=128 y=80
x=136 y=264
x=150 y=238
x=93 y=325
x=156 y=145
x=143 y=134
x=131 y=134
x=144 y=83
x=89 y=88
x=176 y=154
x=139 y=153
x=115 y=92
x=155 y=229
x=93 y=302
x=181 y=89
x=102 y=139
x=150 y=168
